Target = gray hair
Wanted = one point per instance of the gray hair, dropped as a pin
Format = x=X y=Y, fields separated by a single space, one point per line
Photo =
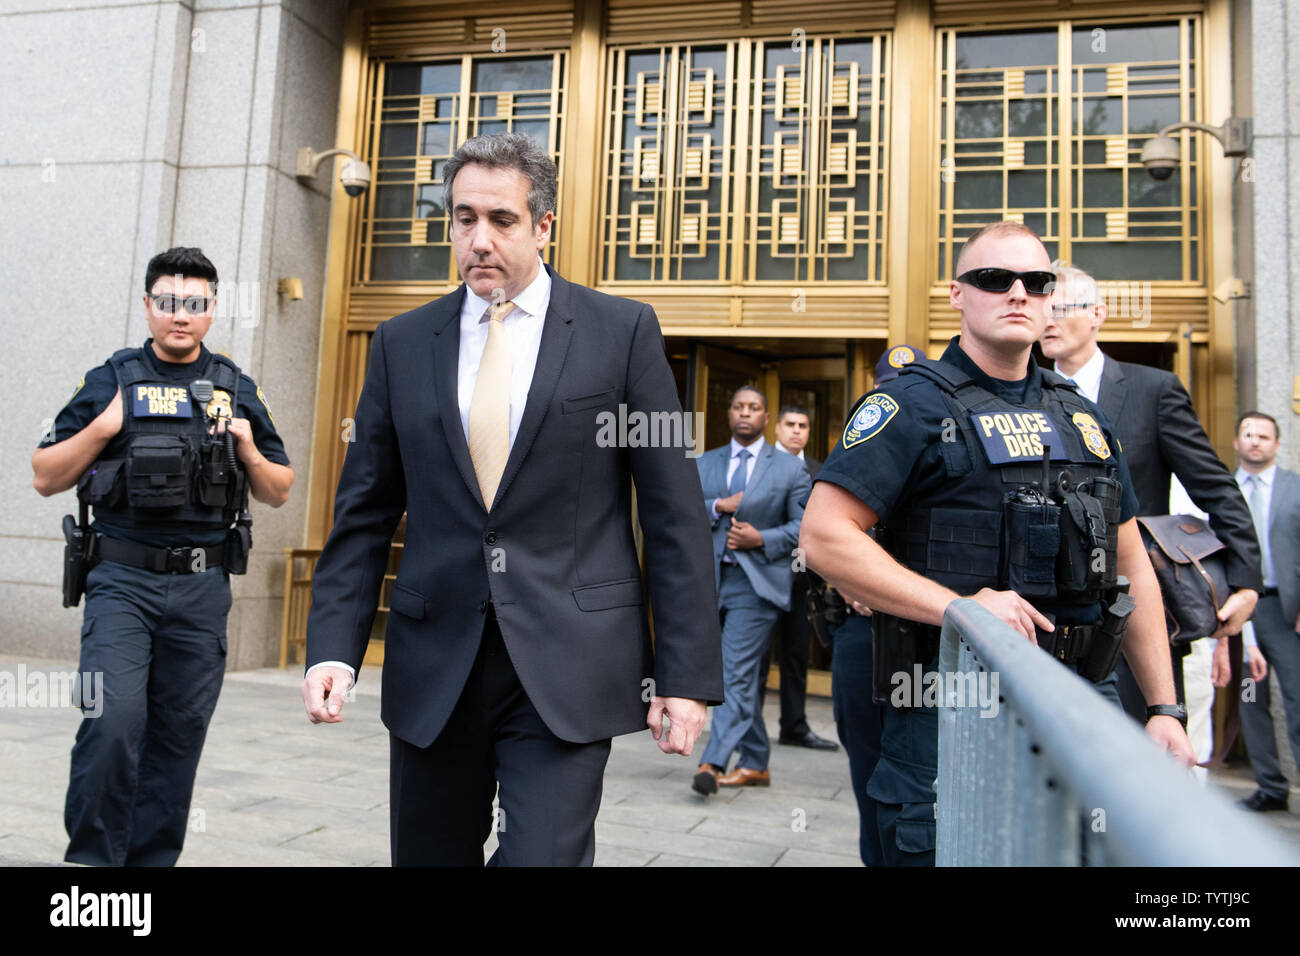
x=508 y=151
x=1076 y=281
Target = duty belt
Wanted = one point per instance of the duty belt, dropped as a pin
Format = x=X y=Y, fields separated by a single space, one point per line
x=162 y=560
x=1067 y=643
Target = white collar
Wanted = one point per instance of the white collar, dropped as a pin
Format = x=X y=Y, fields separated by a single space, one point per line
x=531 y=301
x=753 y=449
x=789 y=452
x=1265 y=477
x=1088 y=377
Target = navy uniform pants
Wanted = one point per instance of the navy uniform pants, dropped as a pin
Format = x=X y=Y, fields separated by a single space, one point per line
x=160 y=642
x=902 y=783
x=857 y=720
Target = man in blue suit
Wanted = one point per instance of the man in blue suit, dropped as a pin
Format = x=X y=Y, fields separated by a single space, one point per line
x=754 y=496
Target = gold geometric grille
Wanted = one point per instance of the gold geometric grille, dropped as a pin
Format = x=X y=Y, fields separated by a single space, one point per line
x=421 y=112
x=1014 y=145
x=747 y=161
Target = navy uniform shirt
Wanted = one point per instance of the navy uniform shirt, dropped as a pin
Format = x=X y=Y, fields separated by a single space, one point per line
x=900 y=462
x=97 y=389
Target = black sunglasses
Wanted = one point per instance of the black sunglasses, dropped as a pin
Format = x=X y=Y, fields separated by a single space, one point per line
x=1037 y=282
x=194 y=305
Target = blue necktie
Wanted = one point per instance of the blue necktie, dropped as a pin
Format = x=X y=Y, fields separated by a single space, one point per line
x=1256 y=502
x=741 y=474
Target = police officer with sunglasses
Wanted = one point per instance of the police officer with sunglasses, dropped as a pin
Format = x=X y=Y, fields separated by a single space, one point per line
x=164 y=443
x=988 y=477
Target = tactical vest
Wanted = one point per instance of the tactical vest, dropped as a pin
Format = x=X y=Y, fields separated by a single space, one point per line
x=163 y=466
x=1005 y=519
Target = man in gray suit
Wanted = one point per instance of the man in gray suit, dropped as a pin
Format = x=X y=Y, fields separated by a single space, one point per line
x=754 y=496
x=1274 y=497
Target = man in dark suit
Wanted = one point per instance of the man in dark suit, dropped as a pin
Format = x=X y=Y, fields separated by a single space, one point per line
x=793 y=635
x=1161 y=435
x=518 y=643
x=1273 y=493
x=753 y=497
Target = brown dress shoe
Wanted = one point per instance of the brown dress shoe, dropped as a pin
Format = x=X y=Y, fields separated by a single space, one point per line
x=744 y=777
x=706 y=779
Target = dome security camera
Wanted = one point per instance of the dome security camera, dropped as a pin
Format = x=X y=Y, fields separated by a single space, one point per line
x=355 y=177
x=354 y=174
x=1160 y=156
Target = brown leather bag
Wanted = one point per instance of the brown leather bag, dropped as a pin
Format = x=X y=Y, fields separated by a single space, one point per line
x=1191 y=565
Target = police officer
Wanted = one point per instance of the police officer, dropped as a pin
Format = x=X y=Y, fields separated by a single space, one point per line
x=948 y=459
x=857 y=716
x=164 y=442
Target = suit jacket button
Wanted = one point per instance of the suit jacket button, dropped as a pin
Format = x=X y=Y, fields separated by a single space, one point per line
x=490 y=537
x=482 y=607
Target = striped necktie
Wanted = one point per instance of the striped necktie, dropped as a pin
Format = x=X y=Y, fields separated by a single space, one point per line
x=489 y=409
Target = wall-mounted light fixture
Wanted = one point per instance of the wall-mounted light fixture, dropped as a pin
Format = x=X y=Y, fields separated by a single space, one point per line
x=1160 y=154
x=354 y=174
x=292 y=287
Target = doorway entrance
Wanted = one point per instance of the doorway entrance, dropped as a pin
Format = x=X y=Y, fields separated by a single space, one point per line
x=814 y=374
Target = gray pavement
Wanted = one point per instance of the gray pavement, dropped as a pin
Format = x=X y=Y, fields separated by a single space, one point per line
x=274 y=790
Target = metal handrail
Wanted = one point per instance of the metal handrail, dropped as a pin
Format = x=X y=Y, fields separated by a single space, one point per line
x=1053 y=774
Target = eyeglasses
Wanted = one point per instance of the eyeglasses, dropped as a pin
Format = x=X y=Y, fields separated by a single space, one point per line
x=1037 y=282
x=1058 y=311
x=168 y=303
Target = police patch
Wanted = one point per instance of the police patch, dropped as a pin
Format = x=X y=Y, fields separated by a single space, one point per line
x=1093 y=439
x=219 y=405
x=1016 y=435
x=80 y=386
x=161 y=401
x=872 y=415
x=901 y=355
x=261 y=397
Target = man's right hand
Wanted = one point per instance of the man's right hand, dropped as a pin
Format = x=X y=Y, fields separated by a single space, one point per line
x=728 y=506
x=322 y=693
x=1010 y=607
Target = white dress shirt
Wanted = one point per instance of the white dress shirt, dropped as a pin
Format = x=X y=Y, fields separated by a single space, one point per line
x=1088 y=377
x=523 y=327
x=754 y=451
x=798 y=454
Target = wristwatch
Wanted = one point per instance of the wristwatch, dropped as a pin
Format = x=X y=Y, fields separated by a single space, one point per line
x=1177 y=711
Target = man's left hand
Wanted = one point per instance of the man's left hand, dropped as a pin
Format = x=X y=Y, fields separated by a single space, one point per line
x=1236 y=611
x=1169 y=734
x=743 y=536
x=685 y=723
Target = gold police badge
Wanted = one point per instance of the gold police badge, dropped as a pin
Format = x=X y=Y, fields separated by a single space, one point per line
x=219 y=405
x=872 y=415
x=1093 y=439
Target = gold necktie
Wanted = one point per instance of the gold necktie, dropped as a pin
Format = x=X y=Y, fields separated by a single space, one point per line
x=489 y=409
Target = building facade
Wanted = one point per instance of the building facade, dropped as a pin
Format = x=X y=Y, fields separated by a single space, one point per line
x=786 y=183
